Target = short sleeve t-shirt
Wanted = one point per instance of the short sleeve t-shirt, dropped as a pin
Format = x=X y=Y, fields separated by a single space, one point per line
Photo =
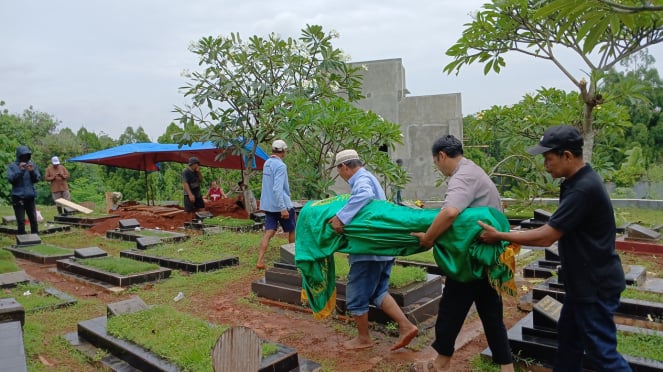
x=470 y=186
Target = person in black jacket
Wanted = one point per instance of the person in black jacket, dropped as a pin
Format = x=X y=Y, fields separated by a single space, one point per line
x=592 y=273
x=23 y=174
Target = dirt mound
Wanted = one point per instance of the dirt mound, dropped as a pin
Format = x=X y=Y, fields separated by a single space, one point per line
x=169 y=218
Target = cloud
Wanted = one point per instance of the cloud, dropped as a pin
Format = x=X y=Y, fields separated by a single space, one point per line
x=107 y=65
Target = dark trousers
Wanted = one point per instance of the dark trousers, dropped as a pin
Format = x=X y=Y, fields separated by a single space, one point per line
x=456 y=300
x=589 y=327
x=21 y=207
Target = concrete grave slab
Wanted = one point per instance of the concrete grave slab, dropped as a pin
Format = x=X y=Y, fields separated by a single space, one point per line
x=129 y=223
x=11 y=310
x=638 y=232
x=28 y=239
x=201 y=215
x=13 y=278
x=90 y=252
x=145 y=242
x=542 y=215
x=129 y=306
x=288 y=253
x=12 y=351
x=6 y=220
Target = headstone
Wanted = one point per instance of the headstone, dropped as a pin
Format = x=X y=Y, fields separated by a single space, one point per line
x=237 y=349
x=258 y=216
x=129 y=223
x=129 y=306
x=89 y=252
x=212 y=230
x=201 y=215
x=145 y=242
x=13 y=278
x=288 y=253
x=28 y=239
x=638 y=232
x=546 y=312
x=552 y=253
x=10 y=310
x=12 y=352
x=542 y=215
x=8 y=219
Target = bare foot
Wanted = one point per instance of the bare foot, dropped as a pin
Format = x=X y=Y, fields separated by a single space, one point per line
x=356 y=344
x=405 y=338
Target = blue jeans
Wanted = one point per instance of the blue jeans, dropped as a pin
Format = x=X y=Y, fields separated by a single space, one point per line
x=368 y=282
x=589 y=327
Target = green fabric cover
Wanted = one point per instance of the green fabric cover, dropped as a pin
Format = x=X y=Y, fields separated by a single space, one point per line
x=383 y=228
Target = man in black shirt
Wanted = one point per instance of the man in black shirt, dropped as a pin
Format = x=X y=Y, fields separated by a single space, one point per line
x=191 y=180
x=592 y=273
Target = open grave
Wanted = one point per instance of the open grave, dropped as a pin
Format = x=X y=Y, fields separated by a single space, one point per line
x=83 y=266
x=535 y=336
x=130 y=230
x=93 y=334
x=419 y=301
x=170 y=260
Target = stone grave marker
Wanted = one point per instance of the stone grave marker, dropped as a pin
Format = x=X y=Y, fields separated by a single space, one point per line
x=145 y=242
x=10 y=310
x=542 y=215
x=89 y=252
x=258 y=216
x=546 y=312
x=211 y=230
x=129 y=223
x=12 y=352
x=638 y=232
x=201 y=215
x=237 y=349
x=8 y=219
x=28 y=239
x=288 y=254
x=129 y=306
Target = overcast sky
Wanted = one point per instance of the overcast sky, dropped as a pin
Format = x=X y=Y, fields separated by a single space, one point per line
x=106 y=65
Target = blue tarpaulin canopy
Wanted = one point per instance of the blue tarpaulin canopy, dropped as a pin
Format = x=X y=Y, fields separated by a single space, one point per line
x=147 y=156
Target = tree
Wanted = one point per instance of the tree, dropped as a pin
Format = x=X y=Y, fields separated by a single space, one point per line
x=321 y=129
x=541 y=29
x=244 y=85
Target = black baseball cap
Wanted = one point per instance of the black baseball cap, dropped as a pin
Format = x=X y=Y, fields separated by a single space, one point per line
x=558 y=137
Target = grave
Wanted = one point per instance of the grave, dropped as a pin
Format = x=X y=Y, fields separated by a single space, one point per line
x=177 y=264
x=106 y=279
x=12 y=352
x=201 y=215
x=137 y=232
x=419 y=301
x=541 y=217
x=64 y=300
x=25 y=253
x=91 y=337
x=44 y=228
x=201 y=225
x=535 y=335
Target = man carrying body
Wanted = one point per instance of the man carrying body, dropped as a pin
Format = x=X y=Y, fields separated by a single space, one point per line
x=584 y=225
x=58 y=175
x=469 y=186
x=368 y=279
x=275 y=199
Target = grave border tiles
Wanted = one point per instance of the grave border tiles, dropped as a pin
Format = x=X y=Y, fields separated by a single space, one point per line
x=176 y=264
x=69 y=266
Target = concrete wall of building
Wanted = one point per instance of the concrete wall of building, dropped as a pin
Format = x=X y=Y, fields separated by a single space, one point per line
x=422 y=119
